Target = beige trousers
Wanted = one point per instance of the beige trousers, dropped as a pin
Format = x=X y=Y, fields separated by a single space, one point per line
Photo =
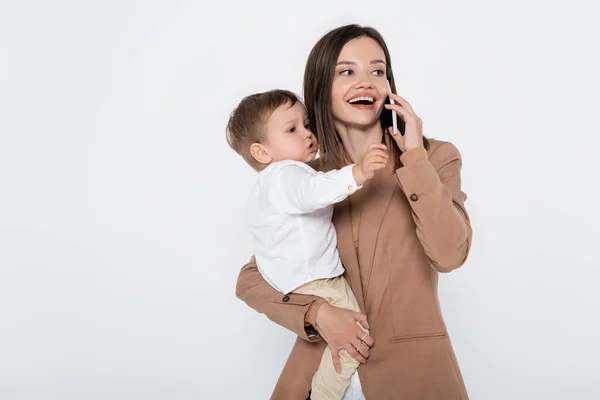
x=327 y=384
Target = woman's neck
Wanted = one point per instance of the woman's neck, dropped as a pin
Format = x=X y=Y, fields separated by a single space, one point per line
x=356 y=140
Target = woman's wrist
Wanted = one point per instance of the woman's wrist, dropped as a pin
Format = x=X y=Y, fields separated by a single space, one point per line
x=413 y=156
x=319 y=314
x=311 y=315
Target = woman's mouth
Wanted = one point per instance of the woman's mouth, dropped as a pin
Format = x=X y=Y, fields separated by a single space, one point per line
x=362 y=102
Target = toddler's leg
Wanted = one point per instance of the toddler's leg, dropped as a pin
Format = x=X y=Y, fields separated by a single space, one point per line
x=327 y=384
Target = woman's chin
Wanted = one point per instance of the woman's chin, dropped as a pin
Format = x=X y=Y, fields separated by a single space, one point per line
x=362 y=123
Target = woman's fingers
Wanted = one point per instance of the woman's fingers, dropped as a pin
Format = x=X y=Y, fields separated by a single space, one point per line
x=407 y=116
x=361 y=348
x=398 y=138
x=367 y=339
x=413 y=132
x=362 y=319
x=340 y=328
x=351 y=349
x=405 y=111
x=336 y=360
x=402 y=101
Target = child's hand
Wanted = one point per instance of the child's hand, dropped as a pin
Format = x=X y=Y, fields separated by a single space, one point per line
x=375 y=158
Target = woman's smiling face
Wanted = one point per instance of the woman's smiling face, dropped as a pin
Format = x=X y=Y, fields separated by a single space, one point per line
x=359 y=85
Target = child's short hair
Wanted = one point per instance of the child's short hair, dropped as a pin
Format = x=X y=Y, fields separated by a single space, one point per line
x=247 y=123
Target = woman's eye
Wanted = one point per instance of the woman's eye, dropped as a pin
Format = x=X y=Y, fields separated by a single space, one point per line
x=378 y=72
x=346 y=72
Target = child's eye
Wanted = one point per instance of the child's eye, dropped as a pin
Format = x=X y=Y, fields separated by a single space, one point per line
x=292 y=129
x=307 y=125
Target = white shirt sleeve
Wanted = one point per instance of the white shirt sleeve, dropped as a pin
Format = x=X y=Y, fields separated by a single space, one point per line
x=300 y=189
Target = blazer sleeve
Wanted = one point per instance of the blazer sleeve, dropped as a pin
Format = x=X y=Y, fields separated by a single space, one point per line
x=292 y=311
x=432 y=186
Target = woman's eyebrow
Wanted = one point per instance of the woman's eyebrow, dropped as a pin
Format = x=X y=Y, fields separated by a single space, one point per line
x=353 y=63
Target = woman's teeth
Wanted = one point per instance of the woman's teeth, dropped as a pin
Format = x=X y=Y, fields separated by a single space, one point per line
x=362 y=100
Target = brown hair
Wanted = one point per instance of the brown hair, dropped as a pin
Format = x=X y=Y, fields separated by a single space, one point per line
x=247 y=123
x=318 y=80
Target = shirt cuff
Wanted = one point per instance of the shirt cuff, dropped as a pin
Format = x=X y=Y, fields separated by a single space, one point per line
x=414 y=156
x=347 y=181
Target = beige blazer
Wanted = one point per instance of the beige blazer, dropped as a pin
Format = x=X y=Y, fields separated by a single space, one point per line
x=413 y=226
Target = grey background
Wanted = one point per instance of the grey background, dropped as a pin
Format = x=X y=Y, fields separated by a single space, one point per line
x=121 y=206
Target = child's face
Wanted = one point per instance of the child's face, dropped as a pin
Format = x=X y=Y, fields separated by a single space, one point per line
x=288 y=137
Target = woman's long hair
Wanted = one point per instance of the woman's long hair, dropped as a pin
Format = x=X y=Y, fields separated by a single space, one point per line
x=318 y=80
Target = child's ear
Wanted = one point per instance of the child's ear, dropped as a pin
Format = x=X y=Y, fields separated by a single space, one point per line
x=260 y=153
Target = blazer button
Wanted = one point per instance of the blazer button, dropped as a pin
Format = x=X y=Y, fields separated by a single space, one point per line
x=286 y=298
x=414 y=197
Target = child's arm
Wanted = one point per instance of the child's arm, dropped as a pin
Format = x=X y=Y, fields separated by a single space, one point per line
x=297 y=190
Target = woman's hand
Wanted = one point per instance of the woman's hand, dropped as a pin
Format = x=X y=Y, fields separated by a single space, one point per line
x=413 y=132
x=339 y=328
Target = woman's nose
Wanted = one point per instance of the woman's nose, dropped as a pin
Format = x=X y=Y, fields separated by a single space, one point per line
x=363 y=81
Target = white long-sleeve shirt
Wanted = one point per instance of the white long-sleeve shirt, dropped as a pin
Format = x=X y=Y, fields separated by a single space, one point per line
x=289 y=215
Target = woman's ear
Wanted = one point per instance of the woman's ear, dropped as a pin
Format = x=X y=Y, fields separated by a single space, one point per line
x=260 y=152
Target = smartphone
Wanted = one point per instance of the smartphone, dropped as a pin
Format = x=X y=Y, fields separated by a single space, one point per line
x=389 y=118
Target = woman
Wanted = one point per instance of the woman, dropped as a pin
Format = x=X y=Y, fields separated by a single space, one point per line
x=394 y=236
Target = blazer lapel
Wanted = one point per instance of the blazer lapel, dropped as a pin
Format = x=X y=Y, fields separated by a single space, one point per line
x=376 y=201
x=345 y=245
